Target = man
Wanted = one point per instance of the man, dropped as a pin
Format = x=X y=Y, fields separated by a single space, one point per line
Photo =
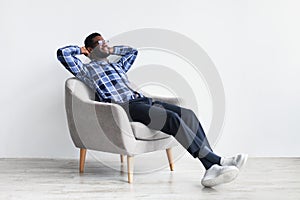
x=110 y=84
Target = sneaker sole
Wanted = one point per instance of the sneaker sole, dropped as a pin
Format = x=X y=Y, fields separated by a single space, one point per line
x=226 y=177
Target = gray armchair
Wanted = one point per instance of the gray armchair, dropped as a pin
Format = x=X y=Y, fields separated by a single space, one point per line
x=105 y=127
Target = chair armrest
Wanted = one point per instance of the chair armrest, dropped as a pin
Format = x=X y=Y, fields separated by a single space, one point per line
x=98 y=125
x=171 y=100
x=115 y=124
x=168 y=99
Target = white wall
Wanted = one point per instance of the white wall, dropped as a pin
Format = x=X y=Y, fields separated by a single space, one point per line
x=254 y=45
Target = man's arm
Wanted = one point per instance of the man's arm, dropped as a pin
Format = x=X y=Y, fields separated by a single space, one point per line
x=67 y=56
x=128 y=56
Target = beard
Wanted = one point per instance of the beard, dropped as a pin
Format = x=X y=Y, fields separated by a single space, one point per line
x=99 y=53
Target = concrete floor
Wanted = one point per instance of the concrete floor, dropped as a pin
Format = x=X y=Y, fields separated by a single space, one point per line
x=262 y=178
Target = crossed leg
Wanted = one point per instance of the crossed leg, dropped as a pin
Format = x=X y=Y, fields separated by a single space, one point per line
x=191 y=120
x=180 y=122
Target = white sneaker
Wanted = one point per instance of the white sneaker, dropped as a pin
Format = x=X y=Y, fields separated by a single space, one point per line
x=216 y=175
x=239 y=161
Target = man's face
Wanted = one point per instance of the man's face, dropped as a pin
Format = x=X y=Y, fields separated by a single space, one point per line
x=98 y=51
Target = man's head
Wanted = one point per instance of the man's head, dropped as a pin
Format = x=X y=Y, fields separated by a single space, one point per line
x=96 y=51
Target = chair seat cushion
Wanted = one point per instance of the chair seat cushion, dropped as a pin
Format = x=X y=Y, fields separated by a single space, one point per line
x=142 y=132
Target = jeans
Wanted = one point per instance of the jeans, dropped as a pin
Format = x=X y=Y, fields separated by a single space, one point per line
x=177 y=121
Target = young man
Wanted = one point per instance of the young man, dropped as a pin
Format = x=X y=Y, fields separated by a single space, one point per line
x=110 y=84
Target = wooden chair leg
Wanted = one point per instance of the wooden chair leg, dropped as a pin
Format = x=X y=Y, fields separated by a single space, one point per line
x=122 y=159
x=169 y=154
x=82 y=160
x=130 y=164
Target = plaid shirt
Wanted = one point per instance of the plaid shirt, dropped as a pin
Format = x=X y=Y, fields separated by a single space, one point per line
x=101 y=76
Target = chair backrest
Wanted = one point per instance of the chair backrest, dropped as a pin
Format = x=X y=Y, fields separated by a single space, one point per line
x=79 y=89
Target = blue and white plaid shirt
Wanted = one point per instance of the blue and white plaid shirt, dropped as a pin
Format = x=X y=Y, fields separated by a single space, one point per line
x=100 y=75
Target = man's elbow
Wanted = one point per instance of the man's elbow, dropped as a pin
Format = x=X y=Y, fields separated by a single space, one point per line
x=62 y=53
x=59 y=53
x=135 y=51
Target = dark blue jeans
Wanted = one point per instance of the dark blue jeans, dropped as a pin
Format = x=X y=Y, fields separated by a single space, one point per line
x=177 y=121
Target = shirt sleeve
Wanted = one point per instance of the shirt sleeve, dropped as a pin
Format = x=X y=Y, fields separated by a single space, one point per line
x=128 y=56
x=67 y=56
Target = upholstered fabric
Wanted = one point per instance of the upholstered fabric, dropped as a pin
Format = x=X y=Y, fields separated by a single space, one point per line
x=105 y=126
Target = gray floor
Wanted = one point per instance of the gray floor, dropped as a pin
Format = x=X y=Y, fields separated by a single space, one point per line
x=262 y=178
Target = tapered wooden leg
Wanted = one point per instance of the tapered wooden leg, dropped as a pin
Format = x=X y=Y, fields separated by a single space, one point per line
x=169 y=154
x=122 y=159
x=82 y=160
x=130 y=168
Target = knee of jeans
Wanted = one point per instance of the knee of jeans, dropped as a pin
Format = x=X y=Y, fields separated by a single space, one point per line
x=191 y=111
x=187 y=112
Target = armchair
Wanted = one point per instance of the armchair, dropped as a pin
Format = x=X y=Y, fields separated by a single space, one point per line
x=105 y=127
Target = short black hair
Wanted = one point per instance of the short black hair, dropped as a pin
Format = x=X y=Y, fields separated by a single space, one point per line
x=89 y=42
